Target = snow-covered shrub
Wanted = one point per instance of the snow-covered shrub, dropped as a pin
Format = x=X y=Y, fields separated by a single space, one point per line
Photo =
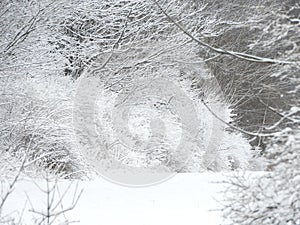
x=269 y=197
x=35 y=99
x=120 y=44
x=36 y=121
x=143 y=90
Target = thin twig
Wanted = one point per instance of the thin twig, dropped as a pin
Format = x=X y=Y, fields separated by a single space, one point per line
x=237 y=128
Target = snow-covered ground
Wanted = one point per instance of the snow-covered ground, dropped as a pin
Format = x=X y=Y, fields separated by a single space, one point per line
x=188 y=198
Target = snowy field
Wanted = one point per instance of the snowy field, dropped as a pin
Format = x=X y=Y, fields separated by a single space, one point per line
x=184 y=199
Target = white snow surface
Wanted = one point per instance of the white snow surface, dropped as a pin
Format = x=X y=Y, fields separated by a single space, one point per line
x=188 y=198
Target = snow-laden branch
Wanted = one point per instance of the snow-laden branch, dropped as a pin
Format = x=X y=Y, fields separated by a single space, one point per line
x=239 y=55
x=255 y=134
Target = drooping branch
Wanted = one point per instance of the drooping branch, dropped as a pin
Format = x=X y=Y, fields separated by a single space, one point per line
x=253 y=134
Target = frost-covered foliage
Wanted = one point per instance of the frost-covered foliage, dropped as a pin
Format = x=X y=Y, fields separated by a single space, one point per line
x=143 y=44
x=89 y=30
x=36 y=122
x=35 y=101
x=271 y=197
x=154 y=120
